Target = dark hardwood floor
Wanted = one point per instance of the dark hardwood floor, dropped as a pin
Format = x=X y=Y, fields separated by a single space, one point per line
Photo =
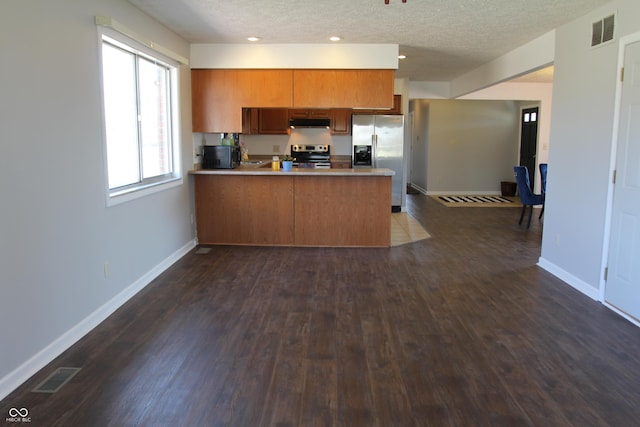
x=462 y=329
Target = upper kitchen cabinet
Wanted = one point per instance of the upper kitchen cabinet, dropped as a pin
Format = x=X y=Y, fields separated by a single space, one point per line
x=210 y=90
x=273 y=121
x=397 y=108
x=307 y=113
x=219 y=95
x=343 y=88
x=266 y=88
x=341 y=121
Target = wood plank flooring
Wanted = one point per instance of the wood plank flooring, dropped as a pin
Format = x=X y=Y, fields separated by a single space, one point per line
x=461 y=329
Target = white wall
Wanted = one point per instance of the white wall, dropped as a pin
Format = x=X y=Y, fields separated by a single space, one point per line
x=342 y=55
x=581 y=146
x=531 y=95
x=419 y=159
x=56 y=233
x=536 y=54
x=470 y=145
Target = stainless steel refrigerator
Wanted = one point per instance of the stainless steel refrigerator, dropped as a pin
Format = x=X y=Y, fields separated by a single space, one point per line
x=378 y=142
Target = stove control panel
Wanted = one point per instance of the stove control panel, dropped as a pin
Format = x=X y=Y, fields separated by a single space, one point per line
x=319 y=148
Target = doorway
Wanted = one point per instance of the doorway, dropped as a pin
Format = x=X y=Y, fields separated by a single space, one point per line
x=529 y=141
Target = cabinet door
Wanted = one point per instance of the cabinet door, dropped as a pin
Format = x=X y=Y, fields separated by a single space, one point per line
x=250 y=122
x=343 y=88
x=309 y=113
x=219 y=95
x=341 y=121
x=299 y=113
x=397 y=108
x=274 y=121
x=213 y=98
x=317 y=113
x=264 y=88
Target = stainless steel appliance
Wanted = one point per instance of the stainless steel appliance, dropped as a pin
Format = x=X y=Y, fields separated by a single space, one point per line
x=378 y=142
x=311 y=156
x=220 y=156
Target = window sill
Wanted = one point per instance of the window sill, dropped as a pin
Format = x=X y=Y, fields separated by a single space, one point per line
x=122 y=196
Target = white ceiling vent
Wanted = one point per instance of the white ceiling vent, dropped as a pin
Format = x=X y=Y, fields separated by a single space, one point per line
x=602 y=31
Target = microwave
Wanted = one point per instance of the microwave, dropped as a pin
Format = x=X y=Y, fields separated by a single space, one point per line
x=220 y=156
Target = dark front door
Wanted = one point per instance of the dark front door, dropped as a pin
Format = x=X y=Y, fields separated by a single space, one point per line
x=528 y=141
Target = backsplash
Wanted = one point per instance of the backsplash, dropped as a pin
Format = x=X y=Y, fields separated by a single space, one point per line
x=273 y=145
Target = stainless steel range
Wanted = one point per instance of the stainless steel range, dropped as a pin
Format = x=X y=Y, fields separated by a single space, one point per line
x=311 y=156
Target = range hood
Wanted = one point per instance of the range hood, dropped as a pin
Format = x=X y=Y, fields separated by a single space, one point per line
x=309 y=123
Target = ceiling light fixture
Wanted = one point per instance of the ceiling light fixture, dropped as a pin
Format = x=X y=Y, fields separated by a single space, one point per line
x=402 y=56
x=335 y=38
x=253 y=38
x=387 y=1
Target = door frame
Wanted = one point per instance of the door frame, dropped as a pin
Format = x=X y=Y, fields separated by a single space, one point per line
x=535 y=186
x=624 y=42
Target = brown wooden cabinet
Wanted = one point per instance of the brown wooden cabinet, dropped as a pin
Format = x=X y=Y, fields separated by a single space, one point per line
x=250 y=122
x=340 y=165
x=341 y=121
x=218 y=96
x=397 y=105
x=309 y=113
x=397 y=108
x=213 y=101
x=273 y=121
x=343 y=88
x=293 y=210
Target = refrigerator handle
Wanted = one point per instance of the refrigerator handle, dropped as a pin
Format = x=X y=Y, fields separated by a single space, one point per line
x=374 y=159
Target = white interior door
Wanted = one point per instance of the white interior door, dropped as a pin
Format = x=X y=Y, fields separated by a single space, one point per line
x=623 y=282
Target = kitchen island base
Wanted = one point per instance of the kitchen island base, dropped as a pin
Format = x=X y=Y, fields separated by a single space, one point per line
x=351 y=210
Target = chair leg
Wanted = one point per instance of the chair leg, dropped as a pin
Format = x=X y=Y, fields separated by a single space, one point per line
x=530 y=213
x=524 y=207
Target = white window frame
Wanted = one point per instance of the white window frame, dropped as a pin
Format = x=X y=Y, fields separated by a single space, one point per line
x=174 y=179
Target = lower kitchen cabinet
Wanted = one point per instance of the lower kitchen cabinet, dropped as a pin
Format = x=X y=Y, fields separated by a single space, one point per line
x=315 y=209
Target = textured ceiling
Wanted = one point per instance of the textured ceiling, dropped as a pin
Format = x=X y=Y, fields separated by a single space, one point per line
x=442 y=39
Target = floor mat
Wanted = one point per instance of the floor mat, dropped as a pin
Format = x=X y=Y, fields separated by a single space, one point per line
x=475 y=201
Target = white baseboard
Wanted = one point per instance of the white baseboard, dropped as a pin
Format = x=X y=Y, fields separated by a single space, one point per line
x=38 y=361
x=622 y=313
x=420 y=189
x=569 y=279
x=464 y=193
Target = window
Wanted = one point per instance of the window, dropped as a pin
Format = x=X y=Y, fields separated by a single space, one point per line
x=140 y=118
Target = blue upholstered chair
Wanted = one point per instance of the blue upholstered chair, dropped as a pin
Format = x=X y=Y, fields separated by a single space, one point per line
x=543 y=181
x=527 y=197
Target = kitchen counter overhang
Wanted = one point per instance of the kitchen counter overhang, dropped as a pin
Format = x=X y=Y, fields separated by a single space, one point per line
x=265 y=170
x=305 y=207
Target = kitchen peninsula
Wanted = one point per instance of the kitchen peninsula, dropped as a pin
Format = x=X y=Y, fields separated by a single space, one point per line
x=253 y=205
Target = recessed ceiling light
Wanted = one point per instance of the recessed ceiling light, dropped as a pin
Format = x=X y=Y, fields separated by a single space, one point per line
x=335 y=38
x=402 y=56
x=253 y=38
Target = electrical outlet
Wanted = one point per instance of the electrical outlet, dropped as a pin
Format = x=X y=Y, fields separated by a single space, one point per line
x=107 y=269
x=276 y=148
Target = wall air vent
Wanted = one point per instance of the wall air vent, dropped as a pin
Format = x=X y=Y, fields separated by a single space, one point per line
x=602 y=31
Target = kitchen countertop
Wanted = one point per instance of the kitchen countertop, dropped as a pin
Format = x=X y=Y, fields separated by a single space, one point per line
x=265 y=169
